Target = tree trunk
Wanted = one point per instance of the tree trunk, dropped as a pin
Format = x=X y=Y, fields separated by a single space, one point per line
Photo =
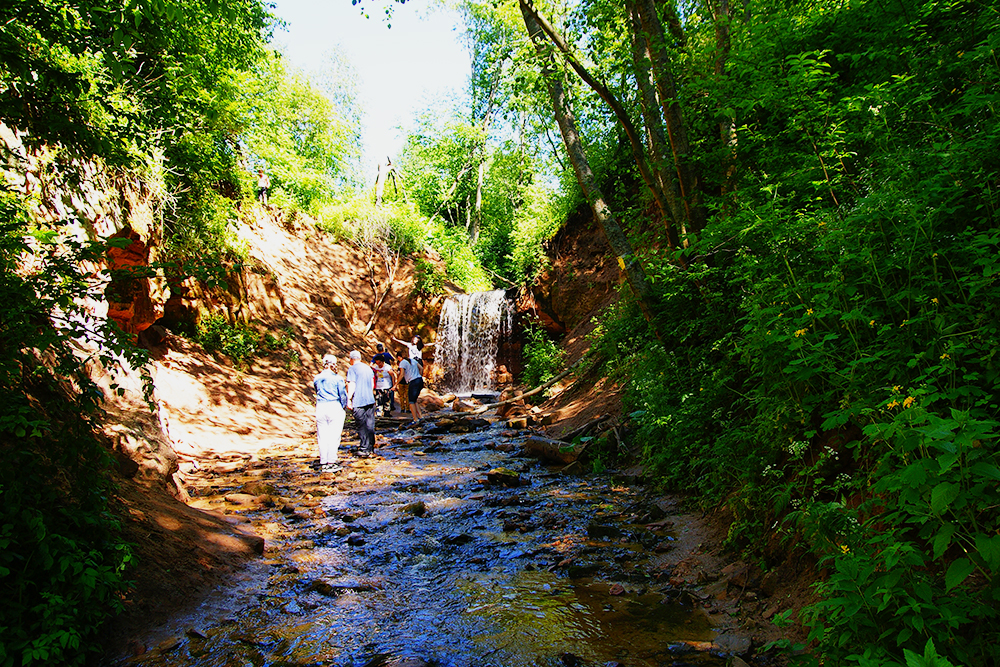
x=477 y=214
x=687 y=183
x=722 y=16
x=634 y=273
x=659 y=147
x=634 y=138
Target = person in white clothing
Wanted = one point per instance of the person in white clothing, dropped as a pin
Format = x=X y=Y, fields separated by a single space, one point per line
x=416 y=348
x=385 y=383
x=331 y=400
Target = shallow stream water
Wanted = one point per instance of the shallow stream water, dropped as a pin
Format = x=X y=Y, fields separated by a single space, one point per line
x=421 y=559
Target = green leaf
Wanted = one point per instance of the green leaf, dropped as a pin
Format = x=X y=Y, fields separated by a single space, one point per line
x=914 y=474
x=984 y=469
x=958 y=572
x=943 y=539
x=947 y=461
x=943 y=495
x=989 y=549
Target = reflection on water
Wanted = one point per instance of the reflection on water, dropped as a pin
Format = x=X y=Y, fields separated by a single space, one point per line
x=477 y=577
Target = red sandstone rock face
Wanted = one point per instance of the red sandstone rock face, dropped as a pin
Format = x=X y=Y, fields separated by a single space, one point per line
x=130 y=303
x=582 y=279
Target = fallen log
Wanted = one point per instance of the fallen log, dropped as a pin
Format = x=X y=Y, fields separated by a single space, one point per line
x=581 y=430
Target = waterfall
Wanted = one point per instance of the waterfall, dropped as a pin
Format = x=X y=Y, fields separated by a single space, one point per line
x=468 y=338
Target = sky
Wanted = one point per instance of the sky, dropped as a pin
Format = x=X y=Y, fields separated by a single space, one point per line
x=400 y=69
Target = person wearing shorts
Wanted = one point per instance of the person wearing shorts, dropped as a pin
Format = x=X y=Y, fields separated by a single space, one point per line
x=414 y=384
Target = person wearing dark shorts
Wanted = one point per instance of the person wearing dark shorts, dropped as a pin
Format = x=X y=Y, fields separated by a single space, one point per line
x=414 y=383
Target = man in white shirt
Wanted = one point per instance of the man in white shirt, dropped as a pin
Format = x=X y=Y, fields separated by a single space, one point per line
x=361 y=400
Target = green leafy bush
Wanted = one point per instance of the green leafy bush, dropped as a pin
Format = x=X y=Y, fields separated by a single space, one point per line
x=237 y=341
x=543 y=358
x=427 y=279
x=829 y=372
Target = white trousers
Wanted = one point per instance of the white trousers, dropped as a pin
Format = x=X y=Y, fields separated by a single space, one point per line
x=329 y=427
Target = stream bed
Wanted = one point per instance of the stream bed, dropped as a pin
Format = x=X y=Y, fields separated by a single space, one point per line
x=449 y=550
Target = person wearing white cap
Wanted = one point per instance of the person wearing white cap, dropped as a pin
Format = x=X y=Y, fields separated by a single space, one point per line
x=361 y=400
x=331 y=400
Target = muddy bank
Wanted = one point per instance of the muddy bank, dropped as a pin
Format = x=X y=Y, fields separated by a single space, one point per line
x=453 y=549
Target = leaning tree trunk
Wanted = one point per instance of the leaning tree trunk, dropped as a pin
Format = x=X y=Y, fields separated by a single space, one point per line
x=642 y=162
x=688 y=181
x=634 y=273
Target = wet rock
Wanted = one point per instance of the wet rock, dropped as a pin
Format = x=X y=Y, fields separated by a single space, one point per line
x=458 y=405
x=604 y=531
x=355 y=540
x=706 y=578
x=459 y=539
x=334 y=589
x=351 y=515
x=407 y=662
x=575 y=468
x=569 y=660
x=550 y=449
x=430 y=402
x=194 y=633
x=244 y=499
x=417 y=508
x=732 y=644
x=385 y=660
x=504 y=477
x=616 y=589
x=168 y=645
x=581 y=570
x=518 y=422
x=716 y=590
x=259 y=488
x=502 y=377
x=738 y=574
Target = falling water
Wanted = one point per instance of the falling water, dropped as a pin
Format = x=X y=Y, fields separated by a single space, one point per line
x=468 y=337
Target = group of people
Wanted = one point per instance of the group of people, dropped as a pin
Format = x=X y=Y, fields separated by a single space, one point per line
x=367 y=391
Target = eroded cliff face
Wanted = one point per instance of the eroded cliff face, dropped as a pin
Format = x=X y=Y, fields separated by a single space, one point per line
x=581 y=280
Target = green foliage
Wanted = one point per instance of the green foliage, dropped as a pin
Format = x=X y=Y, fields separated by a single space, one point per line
x=61 y=558
x=543 y=358
x=464 y=267
x=125 y=92
x=830 y=371
x=355 y=220
x=309 y=146
x=239 y=342
x=427 y=279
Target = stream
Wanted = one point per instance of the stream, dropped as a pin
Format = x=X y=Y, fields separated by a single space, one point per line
x=450 y=549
